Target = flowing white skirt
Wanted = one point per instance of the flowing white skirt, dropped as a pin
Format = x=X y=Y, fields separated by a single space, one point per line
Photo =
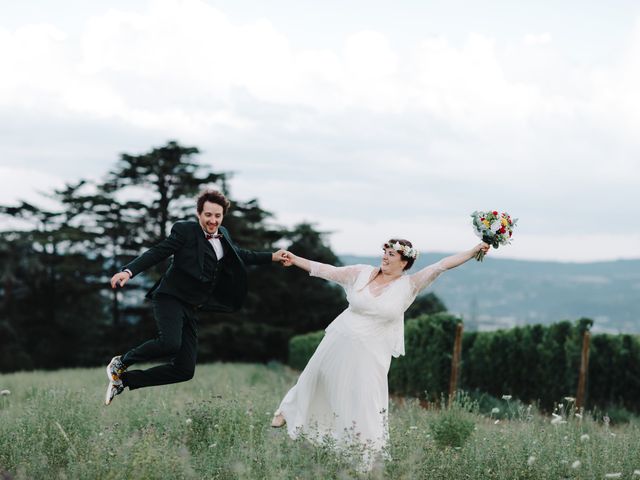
x=342 y=396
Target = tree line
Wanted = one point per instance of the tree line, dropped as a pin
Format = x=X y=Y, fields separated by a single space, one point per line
x=57 y=308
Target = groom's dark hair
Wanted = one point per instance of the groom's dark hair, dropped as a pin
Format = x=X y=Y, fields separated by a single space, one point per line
x=213 y=196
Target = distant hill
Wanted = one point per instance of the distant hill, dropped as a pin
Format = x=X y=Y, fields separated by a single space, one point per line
x=501 y=293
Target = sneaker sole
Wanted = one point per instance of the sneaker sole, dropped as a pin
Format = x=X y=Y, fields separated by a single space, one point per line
x=108 y=398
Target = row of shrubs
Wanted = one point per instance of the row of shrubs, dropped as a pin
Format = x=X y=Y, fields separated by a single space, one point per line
x=534 y=363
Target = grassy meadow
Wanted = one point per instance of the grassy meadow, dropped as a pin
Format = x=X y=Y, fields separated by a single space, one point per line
x=55 y=425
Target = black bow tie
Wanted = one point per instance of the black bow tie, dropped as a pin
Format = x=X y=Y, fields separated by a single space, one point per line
x=209 y=236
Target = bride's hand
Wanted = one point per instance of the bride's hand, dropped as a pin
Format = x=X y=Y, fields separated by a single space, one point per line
x=287 y=259
x=482 y=246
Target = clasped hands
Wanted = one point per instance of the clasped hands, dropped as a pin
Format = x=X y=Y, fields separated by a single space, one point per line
x=284 y=257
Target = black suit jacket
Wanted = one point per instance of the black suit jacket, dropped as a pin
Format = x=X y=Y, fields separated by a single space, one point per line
x=185 y=277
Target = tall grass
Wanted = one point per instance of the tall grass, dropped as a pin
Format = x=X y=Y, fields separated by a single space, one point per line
x=54 y=425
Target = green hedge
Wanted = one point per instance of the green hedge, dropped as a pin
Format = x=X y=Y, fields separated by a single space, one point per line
x=534 y=363
x=301 y=347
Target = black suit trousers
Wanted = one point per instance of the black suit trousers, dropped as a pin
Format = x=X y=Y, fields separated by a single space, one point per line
x=177 y=339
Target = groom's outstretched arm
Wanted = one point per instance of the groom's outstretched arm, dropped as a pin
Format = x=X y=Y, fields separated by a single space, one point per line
x=151 y=257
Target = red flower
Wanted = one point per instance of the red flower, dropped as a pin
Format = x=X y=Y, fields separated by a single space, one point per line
x=495 y=213
x=502 y=230
x=482 y=219
x=509 y=233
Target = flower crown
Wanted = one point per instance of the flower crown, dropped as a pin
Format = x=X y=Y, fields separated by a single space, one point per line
x=405 y=250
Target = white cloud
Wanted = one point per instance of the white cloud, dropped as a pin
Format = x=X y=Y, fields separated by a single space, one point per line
x=532 y=39
x=449 y=122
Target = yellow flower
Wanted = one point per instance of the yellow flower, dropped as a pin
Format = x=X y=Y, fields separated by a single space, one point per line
x=504 y=222
x=486 y=222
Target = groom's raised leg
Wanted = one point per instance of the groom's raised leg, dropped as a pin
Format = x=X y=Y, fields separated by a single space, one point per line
x=169 y=313
x=182 y=367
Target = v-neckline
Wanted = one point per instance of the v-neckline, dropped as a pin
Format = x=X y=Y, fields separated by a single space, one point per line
x=372 y=277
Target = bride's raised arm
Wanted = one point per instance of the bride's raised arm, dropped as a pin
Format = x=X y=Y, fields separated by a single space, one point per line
x=425 y=277
x=340 y=275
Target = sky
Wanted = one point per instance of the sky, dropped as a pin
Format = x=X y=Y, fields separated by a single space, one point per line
x=369 y=119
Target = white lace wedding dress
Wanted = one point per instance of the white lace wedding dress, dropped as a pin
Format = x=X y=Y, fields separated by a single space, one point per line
x=342 y=394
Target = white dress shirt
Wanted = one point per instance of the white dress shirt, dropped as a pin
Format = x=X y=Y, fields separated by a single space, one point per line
x=217 y=247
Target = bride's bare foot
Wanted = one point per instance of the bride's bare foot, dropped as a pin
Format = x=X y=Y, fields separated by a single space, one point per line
x=278 y=421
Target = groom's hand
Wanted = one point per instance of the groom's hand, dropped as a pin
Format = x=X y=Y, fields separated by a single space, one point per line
x=120 y=278
x=280 y=256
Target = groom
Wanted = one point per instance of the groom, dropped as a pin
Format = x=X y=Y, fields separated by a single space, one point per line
x=207 y=273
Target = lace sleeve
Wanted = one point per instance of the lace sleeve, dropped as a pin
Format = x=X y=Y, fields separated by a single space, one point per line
x=425 y=277
x=341 y=275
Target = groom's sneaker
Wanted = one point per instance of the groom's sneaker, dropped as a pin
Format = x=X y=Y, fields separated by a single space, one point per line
x=113 y=389
x=115 y=369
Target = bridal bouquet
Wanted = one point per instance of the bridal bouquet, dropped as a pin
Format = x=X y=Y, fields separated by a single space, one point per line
x=493 y=228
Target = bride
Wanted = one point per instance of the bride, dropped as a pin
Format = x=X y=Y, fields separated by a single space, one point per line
x=342 y=394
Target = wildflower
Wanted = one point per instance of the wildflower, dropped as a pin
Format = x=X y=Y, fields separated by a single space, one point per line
x=557 y=419
x=213 y=445
x=606 y=420
x=584 y=437
x=636 y=472
x=531 y=460
x=560 y=405
x=576 y=464
x=4 y=393
x=413 y=427
x=613 y=475
x=188 y=421
x=579 y=415
x=506 y=397
x=496 y=422
x=570 y=399
x=495 y=410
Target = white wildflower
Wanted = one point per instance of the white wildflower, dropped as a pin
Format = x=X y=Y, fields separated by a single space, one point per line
x=188 y=421
x=613 y=475
x=4 y=393
x=213 y=445
x=557 y=419
x=579 y=415
x=506 y=397
x=576 y=464
x=496 y=422
x=495 y=410
x=531 y=460
x=584 y=437
x=560 y=405
x=636 y=472
x=413 y=427
x=570 y=399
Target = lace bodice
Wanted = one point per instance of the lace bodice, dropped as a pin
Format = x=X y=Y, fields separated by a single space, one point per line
x=377 y=316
